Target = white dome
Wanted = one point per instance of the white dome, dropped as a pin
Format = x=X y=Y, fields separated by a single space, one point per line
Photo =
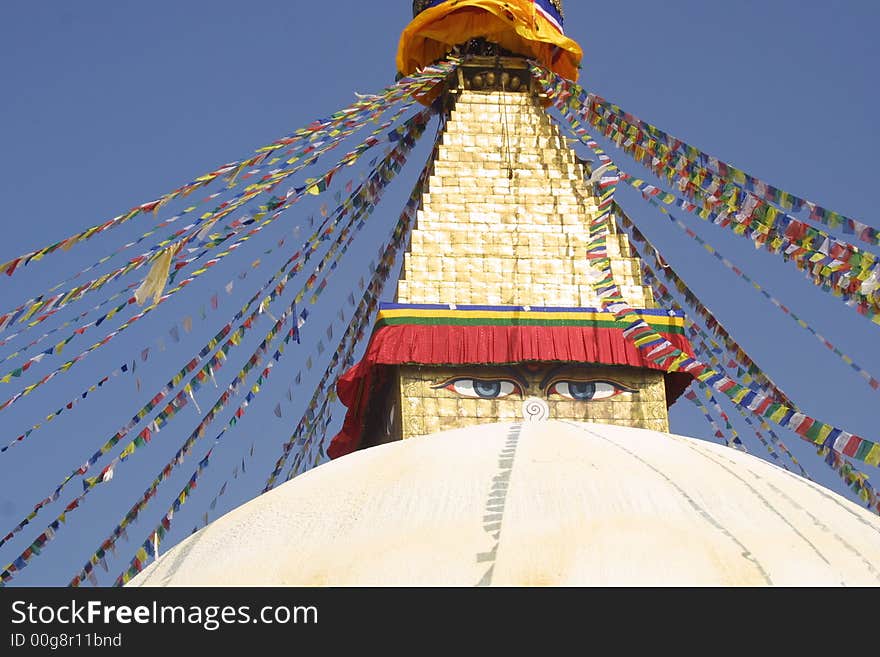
x=545 y=503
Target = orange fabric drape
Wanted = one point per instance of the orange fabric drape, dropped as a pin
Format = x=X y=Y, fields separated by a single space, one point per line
x=513 y=24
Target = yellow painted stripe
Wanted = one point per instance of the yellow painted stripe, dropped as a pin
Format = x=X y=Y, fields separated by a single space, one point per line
x=489 y=314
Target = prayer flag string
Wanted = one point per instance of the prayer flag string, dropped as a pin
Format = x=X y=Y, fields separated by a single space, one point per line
x=711 y=322
x=704 y=345
x=355 y=328
x=717 y=173
x=408 y=86
x=833 y=265
x=364 y=199
x=400 y=235
x=48 y=307
x=672 y=359
x=856 y=480
x=415 y=124
x=872 y=381
x=129 y=366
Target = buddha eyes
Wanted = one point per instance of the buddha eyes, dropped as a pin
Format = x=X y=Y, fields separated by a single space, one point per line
x=587 y=390
x=500 y=388
x=482 y=388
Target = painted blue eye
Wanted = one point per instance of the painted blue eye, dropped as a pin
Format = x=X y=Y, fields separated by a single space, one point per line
x=481 y=388
x=487 y=389
x=587 y=390
x=582 y=391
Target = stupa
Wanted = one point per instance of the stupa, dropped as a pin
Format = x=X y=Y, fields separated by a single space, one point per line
x=501 y=428
x=497 y=307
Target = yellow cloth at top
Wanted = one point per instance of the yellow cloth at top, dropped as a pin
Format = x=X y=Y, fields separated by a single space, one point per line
x=513 y=24
x=154 y=283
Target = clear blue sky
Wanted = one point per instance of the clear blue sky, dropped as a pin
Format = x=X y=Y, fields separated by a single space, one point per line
x=110 y=104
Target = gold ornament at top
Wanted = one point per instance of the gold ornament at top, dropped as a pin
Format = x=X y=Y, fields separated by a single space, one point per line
x=419 y=6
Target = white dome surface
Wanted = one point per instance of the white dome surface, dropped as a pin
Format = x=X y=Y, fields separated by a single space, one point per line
x=540 y=503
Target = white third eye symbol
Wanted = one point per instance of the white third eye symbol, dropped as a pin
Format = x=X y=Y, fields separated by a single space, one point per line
x=535 y=409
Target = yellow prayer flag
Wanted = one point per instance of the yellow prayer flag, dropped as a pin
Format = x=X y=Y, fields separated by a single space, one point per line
x=154 y=283
x=32 y=310
x=69 y=242
x=824 y=432
x=739 y=395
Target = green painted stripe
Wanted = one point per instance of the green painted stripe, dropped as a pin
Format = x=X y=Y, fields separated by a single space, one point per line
x=483 y=321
